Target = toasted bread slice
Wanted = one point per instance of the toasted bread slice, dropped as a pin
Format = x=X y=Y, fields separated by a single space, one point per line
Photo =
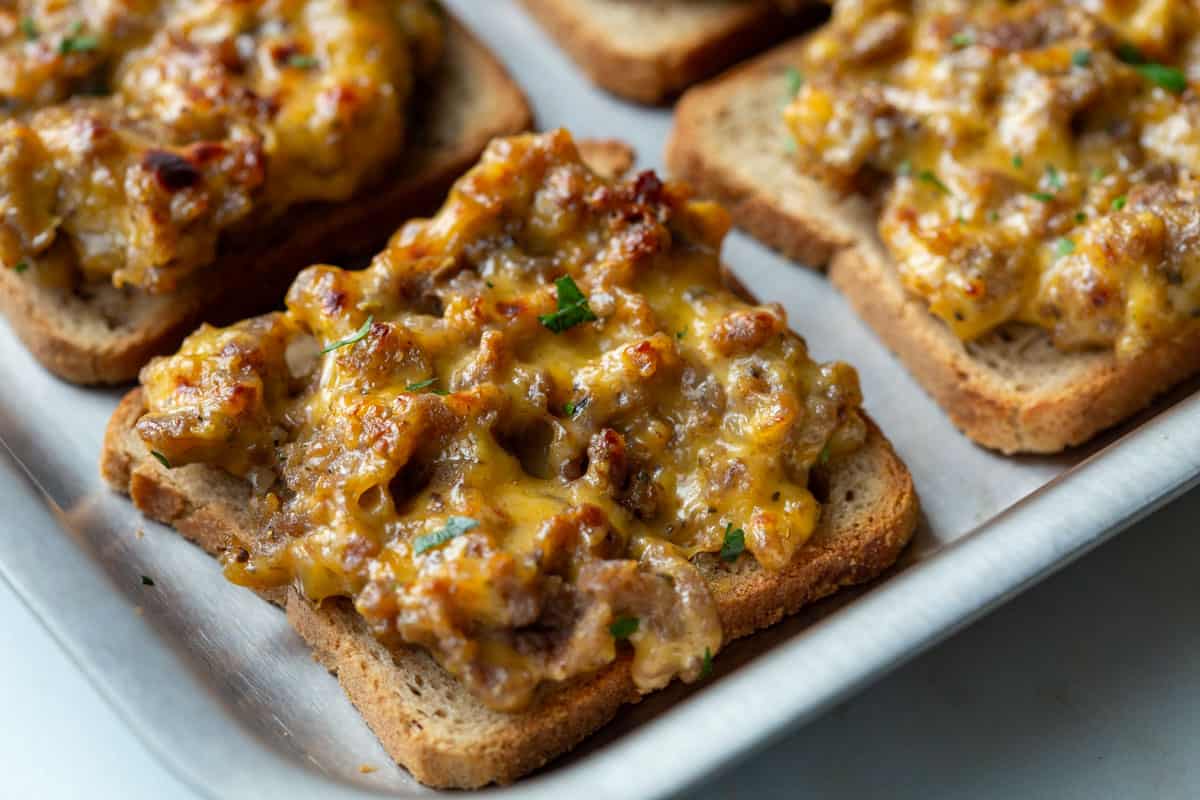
x=649 y=51
x=1012 y=390
x=425 y=719
x=104 y=335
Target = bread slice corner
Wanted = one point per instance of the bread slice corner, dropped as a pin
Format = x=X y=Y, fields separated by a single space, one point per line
x=648 y=52
x=1012 y=390
x=424 y=718
x=103 y=335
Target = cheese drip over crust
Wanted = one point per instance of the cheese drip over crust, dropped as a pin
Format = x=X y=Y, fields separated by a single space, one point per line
x=1035 y=161
x=512 y=438
x=135 y=134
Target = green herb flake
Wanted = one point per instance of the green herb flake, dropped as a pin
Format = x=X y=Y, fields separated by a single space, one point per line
x=419 y=385
x=1169 y=78
x=928 y=176
x=20 y=266
x=993 y=215
x=490 y=285
x=1018 y=161
x=455 y=526
x=707 y=667
x=1080 y=216
x=1081 y=58
x=795 y=80
x=680 y=334
x=623 y=627
x=962 y=39
x=29 y=28
x=734 y=544
x=160 y=458
x=1118 y=203
x=904 y=169
x=1044 y=197
x=823 y=458
x=1054 y=177
x=1064 y=247
x=147 y=580
x=572 y=307
x=1097 y=173
x=354 y=338
x=301 y=61
x=569 y=408
x=76 y=41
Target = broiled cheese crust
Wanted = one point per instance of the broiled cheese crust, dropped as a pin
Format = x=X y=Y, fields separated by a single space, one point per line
x=135 y=135
x=1036 y=160
x=508 y=436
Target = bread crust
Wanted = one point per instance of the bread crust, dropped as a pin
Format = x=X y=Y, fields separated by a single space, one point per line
x=423 y=717
x=652 y=76
x=1011 y=391
x=102 y=335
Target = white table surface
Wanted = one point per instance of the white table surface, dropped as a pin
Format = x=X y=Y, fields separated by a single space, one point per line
x=1087 y=686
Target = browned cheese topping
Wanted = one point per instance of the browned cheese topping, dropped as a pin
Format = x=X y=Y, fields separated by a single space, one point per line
x=512 y=439
x=1034 y=160
x=135 y=133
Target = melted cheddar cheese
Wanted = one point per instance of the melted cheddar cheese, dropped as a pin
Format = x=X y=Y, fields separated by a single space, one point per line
x=1036 y=161
x=135 y=134
x=514 y=486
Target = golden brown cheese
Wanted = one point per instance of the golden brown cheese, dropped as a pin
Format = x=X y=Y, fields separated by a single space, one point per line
x=1036 y=160
x=508 y=437
x=134 y=134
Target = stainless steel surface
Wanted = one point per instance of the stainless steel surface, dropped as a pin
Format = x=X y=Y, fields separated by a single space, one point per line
x=219 y=687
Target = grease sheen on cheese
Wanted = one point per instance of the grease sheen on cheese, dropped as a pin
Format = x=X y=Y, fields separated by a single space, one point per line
x=497 y=490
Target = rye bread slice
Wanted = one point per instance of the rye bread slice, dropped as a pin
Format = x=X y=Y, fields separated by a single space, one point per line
x=103 y=335
x=1011 y=390
x=426 y=721
x=649 y=51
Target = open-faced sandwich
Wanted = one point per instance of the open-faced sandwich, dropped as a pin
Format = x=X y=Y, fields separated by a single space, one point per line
x=1004 y=191
x=533 y=462
x=649 y=50
x=163 y=161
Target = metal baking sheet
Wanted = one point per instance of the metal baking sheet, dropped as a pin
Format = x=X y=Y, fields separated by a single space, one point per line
x=217 y=685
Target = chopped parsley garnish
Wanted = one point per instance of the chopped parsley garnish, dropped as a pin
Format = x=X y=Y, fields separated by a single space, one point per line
x=680 y=334
x=795 y=80
x=490 y=285
x=1064 y=247
x=904 y=169
x=77 y=42
x=623 y=627
x=1018 y=161
x=354 y=338
x=573 y=407
x=21 y=266
x=572 y=307
x=928 y=176
x=160 y=458
x=993 y=215
x=301 y=61
x=963 y=39
x=1097 y=173
x=1081 y=58
x=147 y=580
x=1045 y=197
x=734 y=544
x=1118 y=203
x=1080 y=216
x=29 y=28
x=455 y=526
x=706 y=668
x=823 y=458
x=1054 y=177
x=1169 y=78
x=419 y=385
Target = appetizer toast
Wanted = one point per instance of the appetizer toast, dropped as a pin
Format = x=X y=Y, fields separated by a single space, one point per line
x=1018 y=386
x=649 y=51
x=532 y=463
x=98 y=333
